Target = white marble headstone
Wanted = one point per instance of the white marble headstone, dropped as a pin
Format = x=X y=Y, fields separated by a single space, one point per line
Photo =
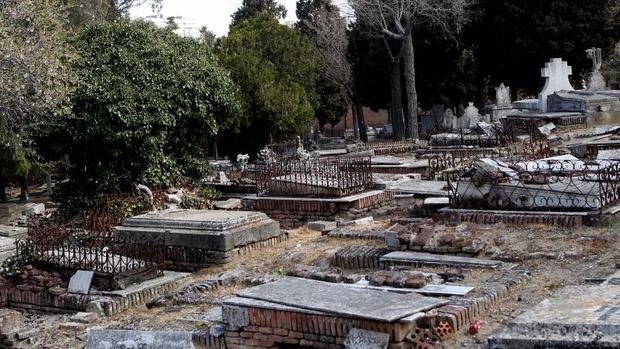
x=556 y=73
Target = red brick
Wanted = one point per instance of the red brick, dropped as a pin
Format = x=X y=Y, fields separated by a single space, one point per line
x=311 y=337
x=234 y=340
x=295 y=334
x=266 y=330
x=251 y=328
x=232 y=334
x=289 y=340
x=246 y=334
x=280 y=332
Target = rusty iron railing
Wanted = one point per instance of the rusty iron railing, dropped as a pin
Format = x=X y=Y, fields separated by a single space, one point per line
x=88 y=244
x=543 y=185
x=315 y=178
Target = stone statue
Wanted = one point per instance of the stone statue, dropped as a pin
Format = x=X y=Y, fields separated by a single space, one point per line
x=502 y=95
x=596 y=82
x=268 y=156
x=470 y=117
x=449 y=120
x=596 y=55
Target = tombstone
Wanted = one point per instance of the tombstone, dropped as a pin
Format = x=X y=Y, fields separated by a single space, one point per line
x=556 y=73
x=502 y=96
x=449 y=120
x=80 y=282
x=596 y=82
x=470 y=117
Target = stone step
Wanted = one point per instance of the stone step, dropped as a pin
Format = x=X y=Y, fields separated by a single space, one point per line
x=84 y=318
x=72 y=326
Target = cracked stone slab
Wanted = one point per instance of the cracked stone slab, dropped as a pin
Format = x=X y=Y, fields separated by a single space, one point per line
x=213 y=220
x=108 y=338
x=576 y=317
x=409 y=257
x=341 y=299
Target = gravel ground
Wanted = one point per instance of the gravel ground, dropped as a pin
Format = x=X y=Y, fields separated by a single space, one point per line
x=555 y=257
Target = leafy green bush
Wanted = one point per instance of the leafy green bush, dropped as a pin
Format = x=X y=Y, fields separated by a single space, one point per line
x=148 y=104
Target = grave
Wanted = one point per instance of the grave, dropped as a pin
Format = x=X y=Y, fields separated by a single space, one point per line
x=577 y=317
x=296 y=192
x=198 y=238
x=313 y=314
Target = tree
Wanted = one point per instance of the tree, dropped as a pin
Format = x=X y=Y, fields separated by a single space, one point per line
x=397 y=20
x=329 y=34
x=276 y=69
x=148 y=105
x=84 y=12
x=207 y=37
x=251 y=8
x=171 y=24
x=332 y=93
x=34 y=81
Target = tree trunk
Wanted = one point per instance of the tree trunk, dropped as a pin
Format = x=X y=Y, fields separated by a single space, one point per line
x=356 y=132
x=361 y=121
x=23 y=184
x=3 y=183
x=398 y=125
x=412 y=95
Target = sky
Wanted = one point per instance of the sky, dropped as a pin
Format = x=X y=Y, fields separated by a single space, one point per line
x=215 y=14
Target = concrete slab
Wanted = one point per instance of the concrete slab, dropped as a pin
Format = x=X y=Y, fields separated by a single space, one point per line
x=205 y=229
x=410 y=257
x=341 y=299
x=428 y=290
x=12 y=231
x=213 y=220
x=80 y=282
x=577 y=317
x=107 y=338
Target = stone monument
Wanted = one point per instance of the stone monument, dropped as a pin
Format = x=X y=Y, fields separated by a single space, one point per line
x=449 y=120
x=470 y=118
x=502 y=96
x=596 y=82
x=556 y=73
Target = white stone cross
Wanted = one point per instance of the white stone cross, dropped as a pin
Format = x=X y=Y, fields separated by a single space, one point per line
x=556 y=73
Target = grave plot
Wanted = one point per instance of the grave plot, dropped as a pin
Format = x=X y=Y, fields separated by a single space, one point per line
x=318 y=314
x=198 y=238
x=576 y=317
x=561 y=186
x=72 y=270
x=295 y=192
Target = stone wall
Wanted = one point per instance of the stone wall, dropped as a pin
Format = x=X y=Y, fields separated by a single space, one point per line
x=191 y=259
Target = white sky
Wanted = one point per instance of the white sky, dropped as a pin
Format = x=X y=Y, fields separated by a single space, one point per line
x=215 y=14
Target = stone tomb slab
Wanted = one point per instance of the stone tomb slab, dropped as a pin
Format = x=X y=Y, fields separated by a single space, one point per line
x=340 y=299
x=80 y=282
x=108 y=339
x=205 y=229
x=421 y=258
x=577 y=317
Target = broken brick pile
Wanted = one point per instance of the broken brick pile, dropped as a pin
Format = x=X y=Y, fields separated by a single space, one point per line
x=12 y=331
x=399 y=279
x=428 y=237
x=315 y=273
x=40 y=290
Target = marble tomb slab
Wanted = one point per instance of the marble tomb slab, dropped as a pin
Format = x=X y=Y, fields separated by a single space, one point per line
x=340 y=299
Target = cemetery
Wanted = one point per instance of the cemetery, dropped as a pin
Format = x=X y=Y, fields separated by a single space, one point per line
x=411 y=174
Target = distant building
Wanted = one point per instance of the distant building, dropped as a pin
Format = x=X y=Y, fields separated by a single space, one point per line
x=187 y=26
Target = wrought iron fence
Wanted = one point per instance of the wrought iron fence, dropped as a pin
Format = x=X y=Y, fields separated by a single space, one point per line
x=317 y=178
x=489 y=136
x=70 y=245
x=549 y=185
